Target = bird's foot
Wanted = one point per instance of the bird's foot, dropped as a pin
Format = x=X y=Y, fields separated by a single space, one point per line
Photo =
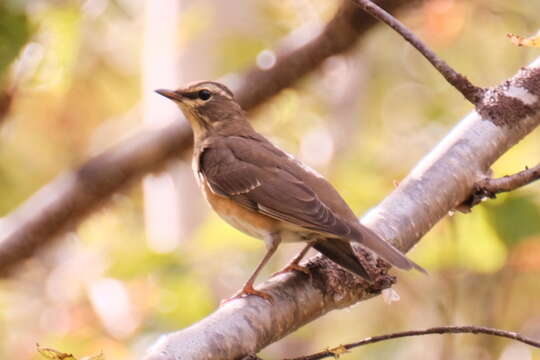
x=246 y=291
x=290 y=268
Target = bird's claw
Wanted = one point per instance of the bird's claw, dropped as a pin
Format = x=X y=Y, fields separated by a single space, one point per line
x=246 y=291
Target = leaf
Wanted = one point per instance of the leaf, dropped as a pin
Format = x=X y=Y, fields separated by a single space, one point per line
x=52 y=354
x=338 y=351
x=532 y=41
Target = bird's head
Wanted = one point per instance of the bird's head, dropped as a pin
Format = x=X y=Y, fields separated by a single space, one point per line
x=207 y=105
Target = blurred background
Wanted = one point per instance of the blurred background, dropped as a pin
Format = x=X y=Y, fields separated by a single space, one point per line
x=76 y=76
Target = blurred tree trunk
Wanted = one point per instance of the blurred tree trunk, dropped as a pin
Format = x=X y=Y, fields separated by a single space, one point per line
x=160 y=69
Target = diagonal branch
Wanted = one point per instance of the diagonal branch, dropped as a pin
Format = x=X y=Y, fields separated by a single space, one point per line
x=69 y=198
x=440 y=330
x=439 y=183
x=461 y=83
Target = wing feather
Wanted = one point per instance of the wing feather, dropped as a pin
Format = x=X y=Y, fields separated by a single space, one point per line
x=269 y=190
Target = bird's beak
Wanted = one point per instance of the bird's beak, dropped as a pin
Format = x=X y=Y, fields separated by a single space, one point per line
x=170 y=94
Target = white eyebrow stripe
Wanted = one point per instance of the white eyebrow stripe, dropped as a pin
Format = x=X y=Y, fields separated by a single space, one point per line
x=211 y=86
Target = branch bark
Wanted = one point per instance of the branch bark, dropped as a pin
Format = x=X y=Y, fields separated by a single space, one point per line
x=69 y=198
x=438 y=184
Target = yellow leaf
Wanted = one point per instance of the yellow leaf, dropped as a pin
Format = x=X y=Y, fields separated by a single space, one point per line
x=52 y=354
x=532 y=41
x=338 y=351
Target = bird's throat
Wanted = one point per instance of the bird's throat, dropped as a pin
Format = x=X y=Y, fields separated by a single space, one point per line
x=198 y=124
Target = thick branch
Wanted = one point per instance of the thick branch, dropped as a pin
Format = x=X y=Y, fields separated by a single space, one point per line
x=441 y=330
x=71 y=197
x=439 y=183
x=461 y=83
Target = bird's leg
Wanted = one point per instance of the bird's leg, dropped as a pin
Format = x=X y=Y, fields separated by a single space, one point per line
x=295 y=263
x=272 y=243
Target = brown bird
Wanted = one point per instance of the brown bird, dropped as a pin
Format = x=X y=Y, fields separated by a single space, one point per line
x=267 y=193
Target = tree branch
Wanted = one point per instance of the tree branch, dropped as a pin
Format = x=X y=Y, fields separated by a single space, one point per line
x=69 y=198
x=510 y=182
x=440 y=330
x=461 y=83
x=439 y=183
x=487 y=188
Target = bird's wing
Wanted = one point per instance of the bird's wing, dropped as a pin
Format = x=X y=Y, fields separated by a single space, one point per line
x=268 y=188
x=261 y=177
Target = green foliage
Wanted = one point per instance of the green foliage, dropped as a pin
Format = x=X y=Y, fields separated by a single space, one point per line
x=15 y=30
x=183 y=299
x=463 y=242
x=515 y=217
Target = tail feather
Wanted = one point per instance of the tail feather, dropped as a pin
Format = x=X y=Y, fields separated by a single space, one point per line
x=387 y=251
x=341 y=252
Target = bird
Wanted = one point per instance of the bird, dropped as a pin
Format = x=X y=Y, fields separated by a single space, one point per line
x=265 y=192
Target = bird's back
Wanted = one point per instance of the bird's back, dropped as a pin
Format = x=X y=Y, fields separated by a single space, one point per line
x=254 y=148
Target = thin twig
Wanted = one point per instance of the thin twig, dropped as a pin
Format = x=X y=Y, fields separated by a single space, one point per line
x=471 y=92
x=510 y=182
x=435 y=330
x=488 y=187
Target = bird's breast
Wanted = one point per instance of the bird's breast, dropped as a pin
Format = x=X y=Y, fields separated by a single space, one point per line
x=245 y=220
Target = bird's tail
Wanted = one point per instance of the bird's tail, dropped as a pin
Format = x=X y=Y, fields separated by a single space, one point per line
x=341 y=252
x=373 y=242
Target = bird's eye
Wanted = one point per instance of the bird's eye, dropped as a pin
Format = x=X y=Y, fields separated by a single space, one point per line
x=204 y=94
